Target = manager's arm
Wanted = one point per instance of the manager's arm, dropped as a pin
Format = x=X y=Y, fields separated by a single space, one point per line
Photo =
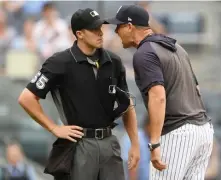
x=156 y=104
x=149 y=69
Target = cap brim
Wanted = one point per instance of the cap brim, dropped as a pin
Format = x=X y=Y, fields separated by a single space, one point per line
x=96 y=24
x=113 y=21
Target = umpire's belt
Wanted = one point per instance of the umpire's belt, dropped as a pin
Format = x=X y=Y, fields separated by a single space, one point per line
x=100 y=133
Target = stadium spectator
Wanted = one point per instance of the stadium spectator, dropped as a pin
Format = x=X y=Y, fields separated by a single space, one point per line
x=142 y=173
x=7 y=34
x=71 y=37
x=15 y=14
x=51 y=32
x=25 y=41
x=155 y=25
x=33 y=8
x=17 y=168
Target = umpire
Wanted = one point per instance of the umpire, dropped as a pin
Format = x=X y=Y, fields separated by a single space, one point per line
x=180 y=132
x=79 y=80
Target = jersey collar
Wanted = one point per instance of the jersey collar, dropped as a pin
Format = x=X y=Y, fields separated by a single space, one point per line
x=81 y=57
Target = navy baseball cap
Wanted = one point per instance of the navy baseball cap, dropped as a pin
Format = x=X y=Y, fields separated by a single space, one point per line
x=133 y=14
x=85 y=19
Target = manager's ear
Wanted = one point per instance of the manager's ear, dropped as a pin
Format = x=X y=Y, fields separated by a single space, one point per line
x=130 y=26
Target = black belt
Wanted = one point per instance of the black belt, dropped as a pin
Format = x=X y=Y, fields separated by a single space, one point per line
x=100 y=133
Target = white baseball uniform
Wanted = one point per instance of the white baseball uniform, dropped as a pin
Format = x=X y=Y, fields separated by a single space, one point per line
x=186 y=151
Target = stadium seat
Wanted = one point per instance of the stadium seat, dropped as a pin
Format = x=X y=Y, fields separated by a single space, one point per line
x=21 y=65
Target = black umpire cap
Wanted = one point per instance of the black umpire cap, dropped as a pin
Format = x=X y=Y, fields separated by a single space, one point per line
x=85 y=19
x=133 y=14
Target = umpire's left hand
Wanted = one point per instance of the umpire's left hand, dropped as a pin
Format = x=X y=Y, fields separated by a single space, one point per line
x=133 y=157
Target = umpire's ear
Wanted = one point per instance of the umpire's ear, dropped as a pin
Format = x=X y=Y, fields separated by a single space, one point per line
x=80 y=34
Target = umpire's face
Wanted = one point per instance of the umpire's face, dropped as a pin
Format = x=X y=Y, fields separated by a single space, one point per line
x=92 y=38
x=125 y=32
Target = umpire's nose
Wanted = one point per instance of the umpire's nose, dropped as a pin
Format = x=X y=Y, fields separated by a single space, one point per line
x=100 y=32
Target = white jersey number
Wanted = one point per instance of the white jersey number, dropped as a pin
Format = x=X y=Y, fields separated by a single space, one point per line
x=41 y=80
x=36 y=77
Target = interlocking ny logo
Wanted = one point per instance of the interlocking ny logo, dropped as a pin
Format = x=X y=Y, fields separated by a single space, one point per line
x=94 y=13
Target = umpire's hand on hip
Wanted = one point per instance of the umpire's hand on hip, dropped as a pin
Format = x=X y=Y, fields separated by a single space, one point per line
x=156 y=160
x=68 y=132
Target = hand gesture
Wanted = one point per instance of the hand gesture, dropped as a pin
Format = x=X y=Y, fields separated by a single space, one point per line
x=68 y=132
x=133 y=157
x=156 y=160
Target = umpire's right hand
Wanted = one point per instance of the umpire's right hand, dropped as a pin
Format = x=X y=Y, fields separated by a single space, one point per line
x=68 y=132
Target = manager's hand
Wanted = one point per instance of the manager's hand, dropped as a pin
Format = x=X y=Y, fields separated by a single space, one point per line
x=156 y=160
x=68 y=132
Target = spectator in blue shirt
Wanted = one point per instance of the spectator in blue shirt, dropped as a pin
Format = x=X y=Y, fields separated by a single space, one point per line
x=142 y=172
x=33 y=8
x=25 y=41
x=17 y=168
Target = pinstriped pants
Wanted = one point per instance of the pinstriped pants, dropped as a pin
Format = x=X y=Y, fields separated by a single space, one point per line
x=186 y=151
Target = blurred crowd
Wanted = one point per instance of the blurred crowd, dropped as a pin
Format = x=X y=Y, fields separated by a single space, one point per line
x=36 y=28
x=16 y=168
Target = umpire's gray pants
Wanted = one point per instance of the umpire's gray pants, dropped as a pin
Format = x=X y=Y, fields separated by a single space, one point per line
x=98 y=160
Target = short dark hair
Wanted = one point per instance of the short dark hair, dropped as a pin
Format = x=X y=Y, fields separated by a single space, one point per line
x=48 y=5
x=142 y=27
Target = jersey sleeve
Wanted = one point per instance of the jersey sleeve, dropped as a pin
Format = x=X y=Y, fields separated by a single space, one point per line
x=47 y=77
x=148 y=67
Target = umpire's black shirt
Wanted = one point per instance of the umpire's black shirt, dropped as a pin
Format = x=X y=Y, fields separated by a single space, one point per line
x=81 y=96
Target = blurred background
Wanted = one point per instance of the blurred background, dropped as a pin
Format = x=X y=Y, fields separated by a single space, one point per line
x=31 y=31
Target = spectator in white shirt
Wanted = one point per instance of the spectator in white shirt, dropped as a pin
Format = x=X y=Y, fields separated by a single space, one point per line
x=51 y=32
x=7 y=35
x=71 y=36
x=25 y=41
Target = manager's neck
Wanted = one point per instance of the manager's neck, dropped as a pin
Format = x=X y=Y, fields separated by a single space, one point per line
x=141 y=35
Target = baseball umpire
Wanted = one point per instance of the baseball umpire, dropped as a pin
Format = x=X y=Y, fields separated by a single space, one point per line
x=180 y=132
x=85 y=82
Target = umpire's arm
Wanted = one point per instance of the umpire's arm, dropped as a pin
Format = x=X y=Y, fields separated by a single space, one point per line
x=129 y=118
x=130 y=123
x=38 y=88
x=50 y=76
